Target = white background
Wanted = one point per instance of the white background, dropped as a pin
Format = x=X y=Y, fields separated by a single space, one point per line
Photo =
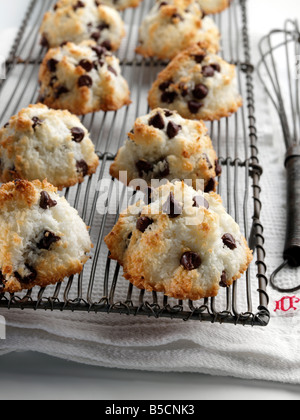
x=34 y=376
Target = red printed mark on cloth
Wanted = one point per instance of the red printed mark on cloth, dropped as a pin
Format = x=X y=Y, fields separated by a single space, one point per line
x=287 y=303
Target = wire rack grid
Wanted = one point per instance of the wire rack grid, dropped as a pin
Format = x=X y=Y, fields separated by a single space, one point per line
x=101 y=287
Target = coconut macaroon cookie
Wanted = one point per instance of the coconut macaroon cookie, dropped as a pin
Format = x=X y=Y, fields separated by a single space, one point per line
x=163 y=145
x=40 y=143
x=172 y=26
x=77 y=21
x=43 y=239
x=199 y=85
x=213 y=6
x=82 y=78
x=183 y=244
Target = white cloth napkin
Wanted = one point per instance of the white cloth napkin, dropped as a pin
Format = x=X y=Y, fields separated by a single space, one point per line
x=141 y=343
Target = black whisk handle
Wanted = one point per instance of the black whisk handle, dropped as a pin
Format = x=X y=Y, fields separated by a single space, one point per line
x=292 y=245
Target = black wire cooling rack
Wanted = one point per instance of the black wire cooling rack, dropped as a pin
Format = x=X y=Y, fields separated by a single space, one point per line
x=101 y=286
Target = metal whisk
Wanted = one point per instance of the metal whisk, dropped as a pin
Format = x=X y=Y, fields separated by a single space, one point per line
x=279 y=71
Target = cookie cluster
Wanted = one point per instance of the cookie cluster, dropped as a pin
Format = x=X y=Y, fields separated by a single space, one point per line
x=79 y=73
x=179 y=240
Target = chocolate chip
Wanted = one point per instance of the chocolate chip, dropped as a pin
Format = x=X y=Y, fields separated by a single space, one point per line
x=36 y=122
x=218 y=168
x=163 y=3
x=190 y=260
x=157 y=121
x=61 y=90
x=51 y=64
x=200 y=91
x=28 y=279
x=208 y=71
x=97 y=3
x=103 y=25
x=86 y=65
x=165 y=85
x=100 y=51
x=194 y=106
x=6 y=125
x=143 y=223
x=229 y=241
x=82 y=167
x=48 y=239
x=78 y=5
x=200 y=201
x=77 y=134
x=172 y=207
x=210 y=166
x=168 y=97
x=41 y=98
x=85 y=80
x=216 y=67
x=168 y=113
x=210 y=186
x=173 y=129
x=223 y=282
x=46 y=201
x=45 y=42
x=144 y=167
x=199 y=58
x=107 y=44
x=96 y=35
x=112 y=70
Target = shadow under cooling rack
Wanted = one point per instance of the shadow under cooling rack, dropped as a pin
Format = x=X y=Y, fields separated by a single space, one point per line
x=101 y=286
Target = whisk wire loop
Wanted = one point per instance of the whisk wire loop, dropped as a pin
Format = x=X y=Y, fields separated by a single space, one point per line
x=279 y=72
